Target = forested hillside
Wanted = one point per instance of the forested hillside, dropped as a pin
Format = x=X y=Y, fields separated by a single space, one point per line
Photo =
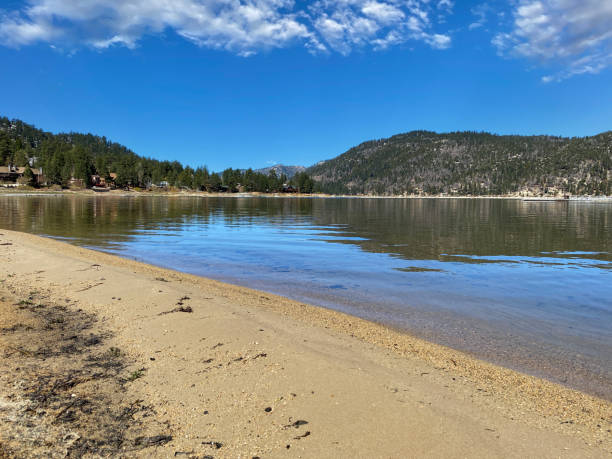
x=419 y=162
x=79 y=156
x=422 y=162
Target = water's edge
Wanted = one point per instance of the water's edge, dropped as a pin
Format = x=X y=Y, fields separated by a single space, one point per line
x=526 y=286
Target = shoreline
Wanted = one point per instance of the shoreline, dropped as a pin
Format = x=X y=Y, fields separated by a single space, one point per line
x=205 y=194
x=445 y=376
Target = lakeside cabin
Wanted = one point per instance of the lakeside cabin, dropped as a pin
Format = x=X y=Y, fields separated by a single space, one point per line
x=101 y=182
x=11 y=175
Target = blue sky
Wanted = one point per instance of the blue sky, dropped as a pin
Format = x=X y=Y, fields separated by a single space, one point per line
x=230 y=83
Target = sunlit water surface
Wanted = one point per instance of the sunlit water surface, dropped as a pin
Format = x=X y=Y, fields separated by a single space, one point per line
x=524 y=284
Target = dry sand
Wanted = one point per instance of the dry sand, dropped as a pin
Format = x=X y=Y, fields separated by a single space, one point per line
x=227 y=371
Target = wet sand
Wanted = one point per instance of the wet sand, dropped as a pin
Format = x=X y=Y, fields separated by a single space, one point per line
x=213 y=369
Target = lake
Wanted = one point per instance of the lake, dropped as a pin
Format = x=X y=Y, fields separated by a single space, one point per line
x=527 y=285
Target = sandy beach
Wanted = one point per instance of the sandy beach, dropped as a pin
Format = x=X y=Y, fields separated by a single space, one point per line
x=107 y=356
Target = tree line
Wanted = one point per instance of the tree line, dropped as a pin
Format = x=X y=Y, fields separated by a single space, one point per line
x=64 y=157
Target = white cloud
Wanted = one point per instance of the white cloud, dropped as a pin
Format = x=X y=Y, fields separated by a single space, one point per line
x=438 y=41
x=481 y=13
x=591 y=64
x=15 y=31
x=446 y=5
x=382 y=12
x=573 y=35
x=240 y=26
x=347 y=24
x=102 y=23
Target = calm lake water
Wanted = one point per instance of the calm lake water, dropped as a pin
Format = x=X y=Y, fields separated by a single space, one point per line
x=524 y=284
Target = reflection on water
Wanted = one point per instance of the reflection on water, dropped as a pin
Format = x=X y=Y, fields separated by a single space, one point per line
x=524 y=284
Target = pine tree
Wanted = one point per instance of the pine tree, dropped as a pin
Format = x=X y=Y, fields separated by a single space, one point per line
x=28 y=176
x=6 y=151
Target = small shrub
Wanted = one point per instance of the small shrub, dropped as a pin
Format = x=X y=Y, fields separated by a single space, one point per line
x=135 y=375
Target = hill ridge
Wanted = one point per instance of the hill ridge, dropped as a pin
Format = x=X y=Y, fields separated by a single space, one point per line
x=470 y=163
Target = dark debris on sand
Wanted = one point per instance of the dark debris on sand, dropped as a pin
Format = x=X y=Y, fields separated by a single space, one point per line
x=180 y=309
x=62 y=389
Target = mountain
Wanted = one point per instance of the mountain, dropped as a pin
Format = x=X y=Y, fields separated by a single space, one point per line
x=423 y=162
x=281 y=169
